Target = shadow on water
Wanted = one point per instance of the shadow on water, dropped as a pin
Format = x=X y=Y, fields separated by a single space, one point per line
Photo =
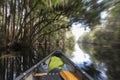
x=110 y=57
x=102 y=64
x=86 y=63
x=105 y=59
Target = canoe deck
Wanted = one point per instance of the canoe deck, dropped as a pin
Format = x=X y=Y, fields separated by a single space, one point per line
x=60 y=75
x=52 y=75
x=49 y=77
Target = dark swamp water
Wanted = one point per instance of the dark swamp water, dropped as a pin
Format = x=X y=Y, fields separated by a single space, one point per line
x=103 y=65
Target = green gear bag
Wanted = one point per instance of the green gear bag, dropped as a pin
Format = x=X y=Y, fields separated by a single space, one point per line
x=55 y=62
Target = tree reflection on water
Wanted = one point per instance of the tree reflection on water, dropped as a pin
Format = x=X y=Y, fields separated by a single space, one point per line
x=85 y=62
x=111 y=58
x=107 y=59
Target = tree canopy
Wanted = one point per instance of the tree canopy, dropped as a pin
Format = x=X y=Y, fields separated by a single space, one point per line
x=29 y=21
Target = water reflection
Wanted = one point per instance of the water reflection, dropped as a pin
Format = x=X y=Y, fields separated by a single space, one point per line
x=79 y=57
x=110 y=57
x=105 y=65
x=84 y=61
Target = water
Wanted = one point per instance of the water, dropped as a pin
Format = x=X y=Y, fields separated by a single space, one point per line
x=79 y=57
x=102 y=65
x=85 y=62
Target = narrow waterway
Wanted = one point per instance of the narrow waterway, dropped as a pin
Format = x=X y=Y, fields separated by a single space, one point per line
x=79 y=57
x=84 y=60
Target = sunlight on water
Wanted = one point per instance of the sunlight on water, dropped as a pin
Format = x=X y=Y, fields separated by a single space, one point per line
x=82 y=59
x=79 y=56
